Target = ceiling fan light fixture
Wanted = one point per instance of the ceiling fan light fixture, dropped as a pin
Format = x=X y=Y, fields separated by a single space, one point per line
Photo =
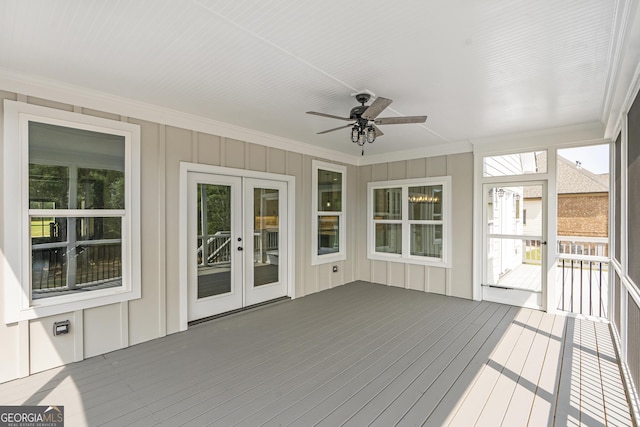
x=355 y=134
x=364 y=119
x=371 y=134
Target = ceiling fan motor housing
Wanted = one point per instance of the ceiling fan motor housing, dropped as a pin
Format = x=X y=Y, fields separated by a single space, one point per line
x=356 y=112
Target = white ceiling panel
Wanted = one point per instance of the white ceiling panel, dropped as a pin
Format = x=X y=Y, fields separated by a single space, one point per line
x=477 y=69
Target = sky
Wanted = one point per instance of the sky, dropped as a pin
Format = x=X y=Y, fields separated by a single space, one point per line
x=594 y=158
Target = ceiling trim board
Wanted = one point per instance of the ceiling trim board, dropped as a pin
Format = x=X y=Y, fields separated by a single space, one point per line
x=621 y=30
x=585 y=133
x=438 y=150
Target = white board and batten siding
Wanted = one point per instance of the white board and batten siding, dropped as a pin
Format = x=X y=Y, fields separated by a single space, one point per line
x=103 y=329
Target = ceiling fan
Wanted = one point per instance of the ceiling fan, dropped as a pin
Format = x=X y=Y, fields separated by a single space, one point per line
x=361 y=129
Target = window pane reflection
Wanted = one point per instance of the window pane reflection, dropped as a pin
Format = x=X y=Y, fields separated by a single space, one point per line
x=266 y=251
x=387 y=203
x=329 y=191
x=75 y=254
x=426 y=240
x=328 y=234
x=389 y=238
x=425 y=203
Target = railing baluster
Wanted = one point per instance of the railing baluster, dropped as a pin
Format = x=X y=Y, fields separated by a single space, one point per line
x=601 y=305
x=563 y=285
x=590 y=287
x=581 y=285
x=571 y=301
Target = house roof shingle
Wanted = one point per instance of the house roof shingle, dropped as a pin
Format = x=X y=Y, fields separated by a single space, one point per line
x=570 y=179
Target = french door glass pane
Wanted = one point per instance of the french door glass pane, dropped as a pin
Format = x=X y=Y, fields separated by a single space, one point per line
x=214 y=240
x=389 y=238
x=426 y=240
x=266 y=204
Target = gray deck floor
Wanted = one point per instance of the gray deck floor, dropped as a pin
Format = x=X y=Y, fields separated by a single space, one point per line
x=360 y=354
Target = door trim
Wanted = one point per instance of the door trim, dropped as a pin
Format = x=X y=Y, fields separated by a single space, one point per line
x=185 y=168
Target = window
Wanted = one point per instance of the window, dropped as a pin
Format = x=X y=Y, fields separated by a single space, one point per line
x=328 y=222
x=78 y=243
x=515 y=164
x=409 y=219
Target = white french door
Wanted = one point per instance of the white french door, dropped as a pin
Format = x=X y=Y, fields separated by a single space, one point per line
x=237 y=238
x=514 y=215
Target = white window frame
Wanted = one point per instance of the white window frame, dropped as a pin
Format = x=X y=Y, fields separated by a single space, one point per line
x=405 y=256
x=17 y=242
x=315 y=214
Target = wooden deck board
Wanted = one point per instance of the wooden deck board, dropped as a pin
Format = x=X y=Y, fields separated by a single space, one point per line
x=471 y=407
x=307 y=404
x=544 y=401
x=462 y=349
x=354 y=355
x=443 y=404
x=322 y=360
x=510 y=374
x=615 y=403
x=374 y=344
x=521 y=401
x=425 y=349
x=419 y=400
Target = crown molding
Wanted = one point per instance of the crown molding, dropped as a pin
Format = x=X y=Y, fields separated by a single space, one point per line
x=436 y=150
x=582 y=134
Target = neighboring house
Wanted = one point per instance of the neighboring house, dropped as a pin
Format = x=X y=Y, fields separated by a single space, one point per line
x=583 y=204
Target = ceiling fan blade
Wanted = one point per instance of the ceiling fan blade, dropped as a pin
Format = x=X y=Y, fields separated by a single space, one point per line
x=331 y=116
x=376 y=108
x=400 y=120
x=378 y=131
x=331 y=130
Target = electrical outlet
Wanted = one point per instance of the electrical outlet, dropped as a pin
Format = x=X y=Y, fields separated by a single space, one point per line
x=335 y=268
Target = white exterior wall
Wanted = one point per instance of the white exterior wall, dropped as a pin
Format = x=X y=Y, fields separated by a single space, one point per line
x=534 y=216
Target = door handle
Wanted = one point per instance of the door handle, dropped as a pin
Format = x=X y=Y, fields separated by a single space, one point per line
x=240 y=248
x=544 y=243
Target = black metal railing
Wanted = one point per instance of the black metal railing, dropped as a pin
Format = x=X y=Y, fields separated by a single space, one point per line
x=94 y=263
x=584 y=285
x=98 y=263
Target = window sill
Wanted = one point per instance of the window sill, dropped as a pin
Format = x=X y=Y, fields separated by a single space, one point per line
x=429 y=262
x=51 y=306
x=328 y=258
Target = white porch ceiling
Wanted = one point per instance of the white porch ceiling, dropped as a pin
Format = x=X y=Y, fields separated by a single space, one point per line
x=478 y=69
